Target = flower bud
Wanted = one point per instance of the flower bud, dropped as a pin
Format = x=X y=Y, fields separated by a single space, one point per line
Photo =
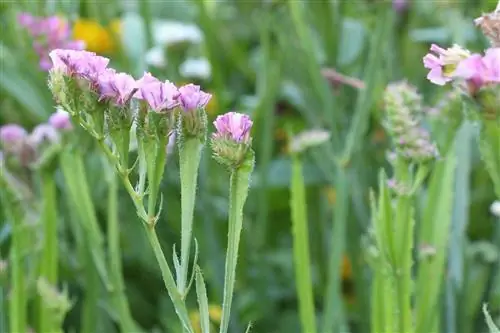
x=412 y=142
x=193 y=120
x=308 y=139
x=231 y=143
x=61 y=120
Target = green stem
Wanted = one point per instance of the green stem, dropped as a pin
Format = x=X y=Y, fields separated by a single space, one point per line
x=189 y=160
x=49 y=262
x=332 y=319
x=18 y=299
x=168 y=279
x=90 y=311
x=404 y=233
x=73 y=169
x=238 y=191
x=301 y=248
x=115 y=263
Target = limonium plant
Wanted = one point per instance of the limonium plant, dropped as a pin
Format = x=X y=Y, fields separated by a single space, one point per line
x=408 y=252
x=106 y=104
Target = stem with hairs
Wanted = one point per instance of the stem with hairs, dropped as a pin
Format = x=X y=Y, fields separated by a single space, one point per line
x=238 y=192
x=189 y=160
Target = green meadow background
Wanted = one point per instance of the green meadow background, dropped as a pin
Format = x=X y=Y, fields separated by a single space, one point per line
x=272 y=60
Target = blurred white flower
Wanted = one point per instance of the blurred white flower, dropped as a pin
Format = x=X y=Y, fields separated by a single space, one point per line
x=156 y=57
x=166 y=32
x=308 y=139
x=196 y=68
x=495 y=208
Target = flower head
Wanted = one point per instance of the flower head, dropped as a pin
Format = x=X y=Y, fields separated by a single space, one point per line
x=192 y=97
x=117 y=87
x=479 y=70
x=159 y=95
x=61 y=120
x=12 y=134
x=49 y=33
x=98 y=38
x=43 y=133
x=443 y=63
x=233 y=126
x=231 y=142
x=403 y=105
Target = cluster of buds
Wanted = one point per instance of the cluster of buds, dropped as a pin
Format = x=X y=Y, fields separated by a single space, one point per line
x=26 y=149
x=231 y=143
x=48 y=33
x=114 y=100
x=403 y=105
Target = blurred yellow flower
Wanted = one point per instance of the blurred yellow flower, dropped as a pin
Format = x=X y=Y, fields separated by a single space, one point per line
x=214 y=312
x=97 y=38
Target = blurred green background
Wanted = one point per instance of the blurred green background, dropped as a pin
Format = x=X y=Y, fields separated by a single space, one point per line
x=277 y=61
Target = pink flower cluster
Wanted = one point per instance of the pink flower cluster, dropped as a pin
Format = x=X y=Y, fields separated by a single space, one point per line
x=458 y=64
x=233 y=126
x=119 y=88
x=16 y=141
x=48 y=33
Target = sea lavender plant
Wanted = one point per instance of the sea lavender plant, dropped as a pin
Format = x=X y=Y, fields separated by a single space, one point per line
x=106 y=104
x=232 y=148
x=394 y=217
x=478 y=76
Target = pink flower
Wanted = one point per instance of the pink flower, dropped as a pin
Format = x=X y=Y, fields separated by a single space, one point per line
x=159 y=95
x=11 y=134
x=192 y=97
x=479 y=70
x=117 y=87
x=60 y=120
x=233 y=126
x=443 y=64
x=48 y=33
x=43 y=133
x=84 y=64
x=146 y=79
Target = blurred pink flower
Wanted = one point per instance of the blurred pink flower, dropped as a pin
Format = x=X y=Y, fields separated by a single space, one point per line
x=48 y=33
x=61 y=120
x=233 y=126
x=480 y=70
x=11 y=134
x=192 y=97
x=443 y=63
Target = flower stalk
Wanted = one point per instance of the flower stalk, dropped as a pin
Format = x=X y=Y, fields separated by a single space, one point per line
x=301 y=247
x=49 y=261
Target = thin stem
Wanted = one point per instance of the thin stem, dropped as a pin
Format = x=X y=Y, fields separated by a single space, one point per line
x=239 y=183
x=49 y=262
x=90 y=311
x=168 y=279
x=404 y=233
x=301 y=248
x=18 y=299
x=189 y=160
x=333 y=319
x=115 y=259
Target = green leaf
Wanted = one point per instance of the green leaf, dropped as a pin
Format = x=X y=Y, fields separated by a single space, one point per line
x=201 y=292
